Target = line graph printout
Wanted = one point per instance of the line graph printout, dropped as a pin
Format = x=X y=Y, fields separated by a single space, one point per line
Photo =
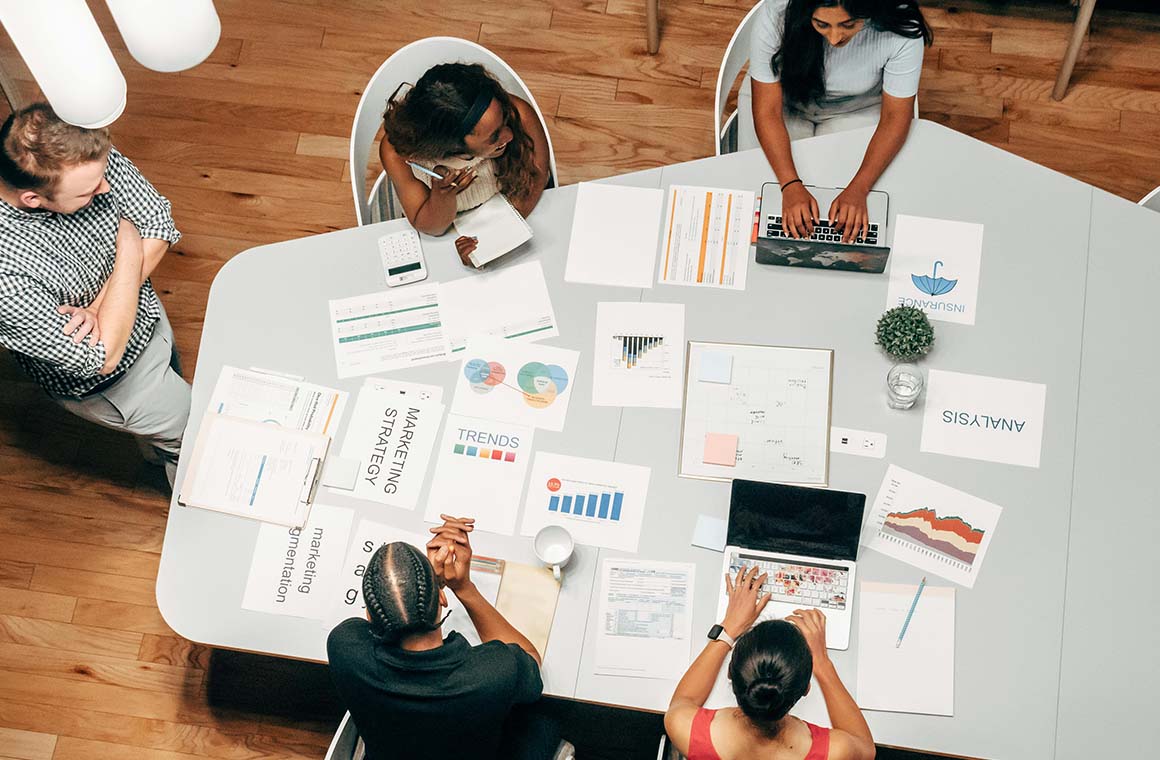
x=397 y=328
x=705 y=240
x=770 y=405
x=930 y=525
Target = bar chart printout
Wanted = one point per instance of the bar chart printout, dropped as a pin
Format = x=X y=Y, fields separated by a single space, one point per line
x=931 y=526
x=631 y=351
x=600 y=503
x=639 y=354
x=705 y=240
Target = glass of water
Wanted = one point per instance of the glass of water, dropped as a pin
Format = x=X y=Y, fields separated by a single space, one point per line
x=904 y=385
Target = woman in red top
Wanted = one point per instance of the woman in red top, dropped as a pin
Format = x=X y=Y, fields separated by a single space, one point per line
x=770 y=671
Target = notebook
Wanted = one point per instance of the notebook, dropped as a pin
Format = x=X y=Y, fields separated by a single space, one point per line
x=497 y=225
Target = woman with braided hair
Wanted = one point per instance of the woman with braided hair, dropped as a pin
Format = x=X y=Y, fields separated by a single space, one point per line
x=770 y=671
x=413 y=693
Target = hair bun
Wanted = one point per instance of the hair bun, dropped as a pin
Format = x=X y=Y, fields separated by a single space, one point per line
x=765 y=697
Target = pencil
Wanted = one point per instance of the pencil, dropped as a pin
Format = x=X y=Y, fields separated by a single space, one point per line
x=910 y=614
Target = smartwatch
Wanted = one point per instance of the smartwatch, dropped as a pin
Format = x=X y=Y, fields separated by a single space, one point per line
x=717 y=633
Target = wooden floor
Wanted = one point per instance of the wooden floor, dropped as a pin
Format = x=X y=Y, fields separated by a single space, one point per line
x=251 y=148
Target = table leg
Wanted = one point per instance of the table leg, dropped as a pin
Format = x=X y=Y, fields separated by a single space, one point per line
x=654 y=32
x=1082 y=21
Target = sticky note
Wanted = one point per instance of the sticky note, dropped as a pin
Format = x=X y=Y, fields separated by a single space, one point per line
x=710 y=533
x=720 y=448
x=715 y=367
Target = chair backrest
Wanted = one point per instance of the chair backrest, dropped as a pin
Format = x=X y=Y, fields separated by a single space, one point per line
x=736 y=56
x=344 y=741
x=1151 y=200
x=407 y=64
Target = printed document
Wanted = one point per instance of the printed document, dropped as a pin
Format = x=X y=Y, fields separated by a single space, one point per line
x=254 y=470
x=646 y=619
x=934 y=266
x=706 y=237
x=511 y=303
x=401 y=327
x=639 y=357
x=918 y=675
x=391 y=437
x=523 y=383
x=295 y=571
x=277 y=400
x=614 y=235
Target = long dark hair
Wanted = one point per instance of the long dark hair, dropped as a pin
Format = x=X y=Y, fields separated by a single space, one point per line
x=401 y=592
x=801 y=60
x=770 y=671
x=428 y=122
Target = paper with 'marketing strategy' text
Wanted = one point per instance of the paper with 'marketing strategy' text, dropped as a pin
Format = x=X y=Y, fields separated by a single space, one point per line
x=391 y=437
x=645 y=629
x=614 y=235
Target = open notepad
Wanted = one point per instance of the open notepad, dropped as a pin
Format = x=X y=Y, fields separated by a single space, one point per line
x=497 y=226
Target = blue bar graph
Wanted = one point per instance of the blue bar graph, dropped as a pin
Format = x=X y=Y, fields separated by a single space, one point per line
x=604 y=499
x=567 y=505
x=592 y=499
x=616 y=502
x=554 y=504
x=606 y=505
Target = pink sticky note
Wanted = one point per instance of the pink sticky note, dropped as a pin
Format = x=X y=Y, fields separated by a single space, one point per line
x=720 y=448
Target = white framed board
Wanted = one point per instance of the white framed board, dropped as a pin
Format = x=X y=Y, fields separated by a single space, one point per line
x=757 y=412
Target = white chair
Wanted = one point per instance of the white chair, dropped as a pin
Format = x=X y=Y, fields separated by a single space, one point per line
x=736 y=56
x=1151 y=200
x=407 y=64
x=345 y=741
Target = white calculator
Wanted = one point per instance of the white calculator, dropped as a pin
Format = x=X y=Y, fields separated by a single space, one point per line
x=402 y=257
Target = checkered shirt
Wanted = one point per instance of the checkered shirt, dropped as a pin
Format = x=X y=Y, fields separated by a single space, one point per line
x=49 y=260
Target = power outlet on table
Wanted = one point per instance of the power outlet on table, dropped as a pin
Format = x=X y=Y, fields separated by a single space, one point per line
x=860 y=443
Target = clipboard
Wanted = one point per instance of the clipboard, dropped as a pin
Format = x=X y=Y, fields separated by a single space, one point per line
x=253 y=469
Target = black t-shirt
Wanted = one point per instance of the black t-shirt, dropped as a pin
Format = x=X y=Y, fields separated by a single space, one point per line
x=450 y=701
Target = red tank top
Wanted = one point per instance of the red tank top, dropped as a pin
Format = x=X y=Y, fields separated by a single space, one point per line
x=701 y=745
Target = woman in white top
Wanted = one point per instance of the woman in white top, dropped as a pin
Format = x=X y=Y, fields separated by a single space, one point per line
x=819 y=66
x=459 y=122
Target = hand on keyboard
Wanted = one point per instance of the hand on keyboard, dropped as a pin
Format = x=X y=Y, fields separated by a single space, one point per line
x=850 y=214
x=799 y=210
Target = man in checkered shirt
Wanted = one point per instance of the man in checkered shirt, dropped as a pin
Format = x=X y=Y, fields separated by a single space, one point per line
x=80 y=232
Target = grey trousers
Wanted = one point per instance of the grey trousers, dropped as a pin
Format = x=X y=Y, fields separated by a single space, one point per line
x=150 y=401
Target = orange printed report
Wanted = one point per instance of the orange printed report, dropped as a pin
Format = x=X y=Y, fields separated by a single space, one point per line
x=706 y=237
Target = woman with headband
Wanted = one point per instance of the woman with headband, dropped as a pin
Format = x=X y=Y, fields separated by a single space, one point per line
x=456 y=139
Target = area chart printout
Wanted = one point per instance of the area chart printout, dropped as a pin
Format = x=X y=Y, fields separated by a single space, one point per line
x=639 y=354
x=277 y=400
x=705 y=240
x=646 y=618
x=932 y=526
x=600 y=503
x=390 y=330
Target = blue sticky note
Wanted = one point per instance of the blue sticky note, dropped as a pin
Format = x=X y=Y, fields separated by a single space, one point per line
x=715 y=367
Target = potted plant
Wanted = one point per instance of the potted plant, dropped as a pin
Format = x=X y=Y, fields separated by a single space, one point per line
x=906 y=335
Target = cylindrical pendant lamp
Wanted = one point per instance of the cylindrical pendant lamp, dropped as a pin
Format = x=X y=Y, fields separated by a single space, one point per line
x=63 y=48
x=167 y=35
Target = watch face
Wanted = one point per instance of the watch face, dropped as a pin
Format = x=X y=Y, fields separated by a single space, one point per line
x=715 y=631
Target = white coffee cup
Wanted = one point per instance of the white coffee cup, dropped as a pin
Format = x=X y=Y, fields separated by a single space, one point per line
x=554 y=545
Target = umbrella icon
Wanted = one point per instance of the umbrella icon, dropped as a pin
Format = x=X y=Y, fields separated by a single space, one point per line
x=933 y=285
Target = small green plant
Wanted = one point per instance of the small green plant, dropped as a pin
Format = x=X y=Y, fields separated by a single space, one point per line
x=905 y=333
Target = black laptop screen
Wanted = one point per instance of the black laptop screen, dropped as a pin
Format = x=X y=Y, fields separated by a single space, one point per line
x=813 y=522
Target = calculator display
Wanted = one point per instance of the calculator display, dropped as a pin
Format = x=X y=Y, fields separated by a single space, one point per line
x=404 y=268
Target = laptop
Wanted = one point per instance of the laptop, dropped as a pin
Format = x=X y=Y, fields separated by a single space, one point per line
x=824 y=249
x=806 y=539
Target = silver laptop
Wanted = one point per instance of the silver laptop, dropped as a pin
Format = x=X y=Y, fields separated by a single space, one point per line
x=824 y=248
x=806 y=539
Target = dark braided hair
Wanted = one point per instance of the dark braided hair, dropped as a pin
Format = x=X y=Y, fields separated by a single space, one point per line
x=770 y=671
x=401 y=592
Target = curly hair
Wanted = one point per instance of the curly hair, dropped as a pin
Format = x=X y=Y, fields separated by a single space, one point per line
x=428 y=122
x=36 y=146
x=401 y=592
x=770 y=671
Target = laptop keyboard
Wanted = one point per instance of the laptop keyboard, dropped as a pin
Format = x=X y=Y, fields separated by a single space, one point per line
x=798 y=583
x=823 y=232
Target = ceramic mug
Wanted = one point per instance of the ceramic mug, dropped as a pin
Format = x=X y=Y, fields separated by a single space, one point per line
x=554 y=546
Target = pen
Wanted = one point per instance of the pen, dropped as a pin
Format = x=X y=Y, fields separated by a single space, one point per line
x=913 y=604
x=425 y=170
